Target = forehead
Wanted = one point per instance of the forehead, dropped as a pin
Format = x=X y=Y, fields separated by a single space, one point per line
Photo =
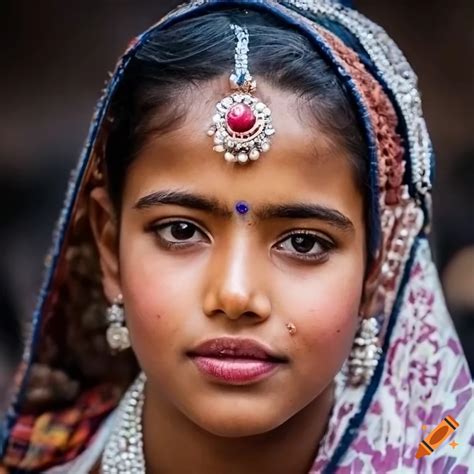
x=303 y=162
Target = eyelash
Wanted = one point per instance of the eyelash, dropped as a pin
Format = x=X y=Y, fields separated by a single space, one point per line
x=326 y=244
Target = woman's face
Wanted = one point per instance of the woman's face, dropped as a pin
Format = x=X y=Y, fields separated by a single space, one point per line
x=191 y=272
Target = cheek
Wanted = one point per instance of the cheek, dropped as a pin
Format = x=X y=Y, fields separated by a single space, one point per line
x=156 y=305
x=330 y=320
x=324 y=310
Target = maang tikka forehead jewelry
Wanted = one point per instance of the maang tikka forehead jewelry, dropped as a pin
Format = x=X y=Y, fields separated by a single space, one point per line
x=242 y=125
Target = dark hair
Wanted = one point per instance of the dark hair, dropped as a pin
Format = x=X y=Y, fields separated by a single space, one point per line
x=197 y=50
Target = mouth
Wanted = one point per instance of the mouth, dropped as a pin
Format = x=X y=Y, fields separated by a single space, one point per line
x=236 y=361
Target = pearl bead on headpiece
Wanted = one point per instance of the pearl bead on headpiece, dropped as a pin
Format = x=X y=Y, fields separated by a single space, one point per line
x=242 y=125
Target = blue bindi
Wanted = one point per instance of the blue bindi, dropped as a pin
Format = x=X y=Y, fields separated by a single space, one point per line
x=242 y=207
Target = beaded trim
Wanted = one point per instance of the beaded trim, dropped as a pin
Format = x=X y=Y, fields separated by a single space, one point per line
x=395 y=71
x=123 y=453
x=383 y=118
x=242 y=74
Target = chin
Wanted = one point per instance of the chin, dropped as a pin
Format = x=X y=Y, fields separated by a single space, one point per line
x=240 y=429
x=234 y=421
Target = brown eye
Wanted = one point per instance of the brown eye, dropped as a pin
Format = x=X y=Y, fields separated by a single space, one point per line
x=178 y=233
x=303 y=243
x=306 y=246
x=182 y=230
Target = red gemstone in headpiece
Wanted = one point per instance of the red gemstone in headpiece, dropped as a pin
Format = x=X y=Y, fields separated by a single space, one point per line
x=241 y=118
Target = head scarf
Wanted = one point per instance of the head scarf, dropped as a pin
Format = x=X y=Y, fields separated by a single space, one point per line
x=422 y=375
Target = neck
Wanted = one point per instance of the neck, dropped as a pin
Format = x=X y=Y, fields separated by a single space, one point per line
x=173 y=443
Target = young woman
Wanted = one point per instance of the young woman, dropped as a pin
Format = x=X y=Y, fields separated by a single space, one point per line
x=240 y=280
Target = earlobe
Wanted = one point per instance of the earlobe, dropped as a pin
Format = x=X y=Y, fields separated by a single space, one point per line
x=371 y=304
x=104 y=227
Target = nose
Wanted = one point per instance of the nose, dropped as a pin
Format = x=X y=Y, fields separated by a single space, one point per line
x=236 y=285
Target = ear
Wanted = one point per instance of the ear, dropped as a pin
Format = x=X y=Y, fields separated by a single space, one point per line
x=371 y=304
x=105 y=228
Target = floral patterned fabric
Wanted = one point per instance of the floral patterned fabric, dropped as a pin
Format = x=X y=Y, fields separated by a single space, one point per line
x=425 y=377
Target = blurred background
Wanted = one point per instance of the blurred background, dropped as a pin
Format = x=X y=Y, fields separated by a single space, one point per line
x=55 y=58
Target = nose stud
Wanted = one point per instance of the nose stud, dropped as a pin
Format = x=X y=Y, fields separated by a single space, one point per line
x=291 y=328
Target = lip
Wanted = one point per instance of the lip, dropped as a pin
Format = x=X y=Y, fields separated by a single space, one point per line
x=236 y=361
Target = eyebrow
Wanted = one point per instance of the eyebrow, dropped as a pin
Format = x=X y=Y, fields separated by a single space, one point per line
x=296 y=210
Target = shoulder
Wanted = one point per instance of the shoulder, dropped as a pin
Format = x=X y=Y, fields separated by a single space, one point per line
x=88 y=462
